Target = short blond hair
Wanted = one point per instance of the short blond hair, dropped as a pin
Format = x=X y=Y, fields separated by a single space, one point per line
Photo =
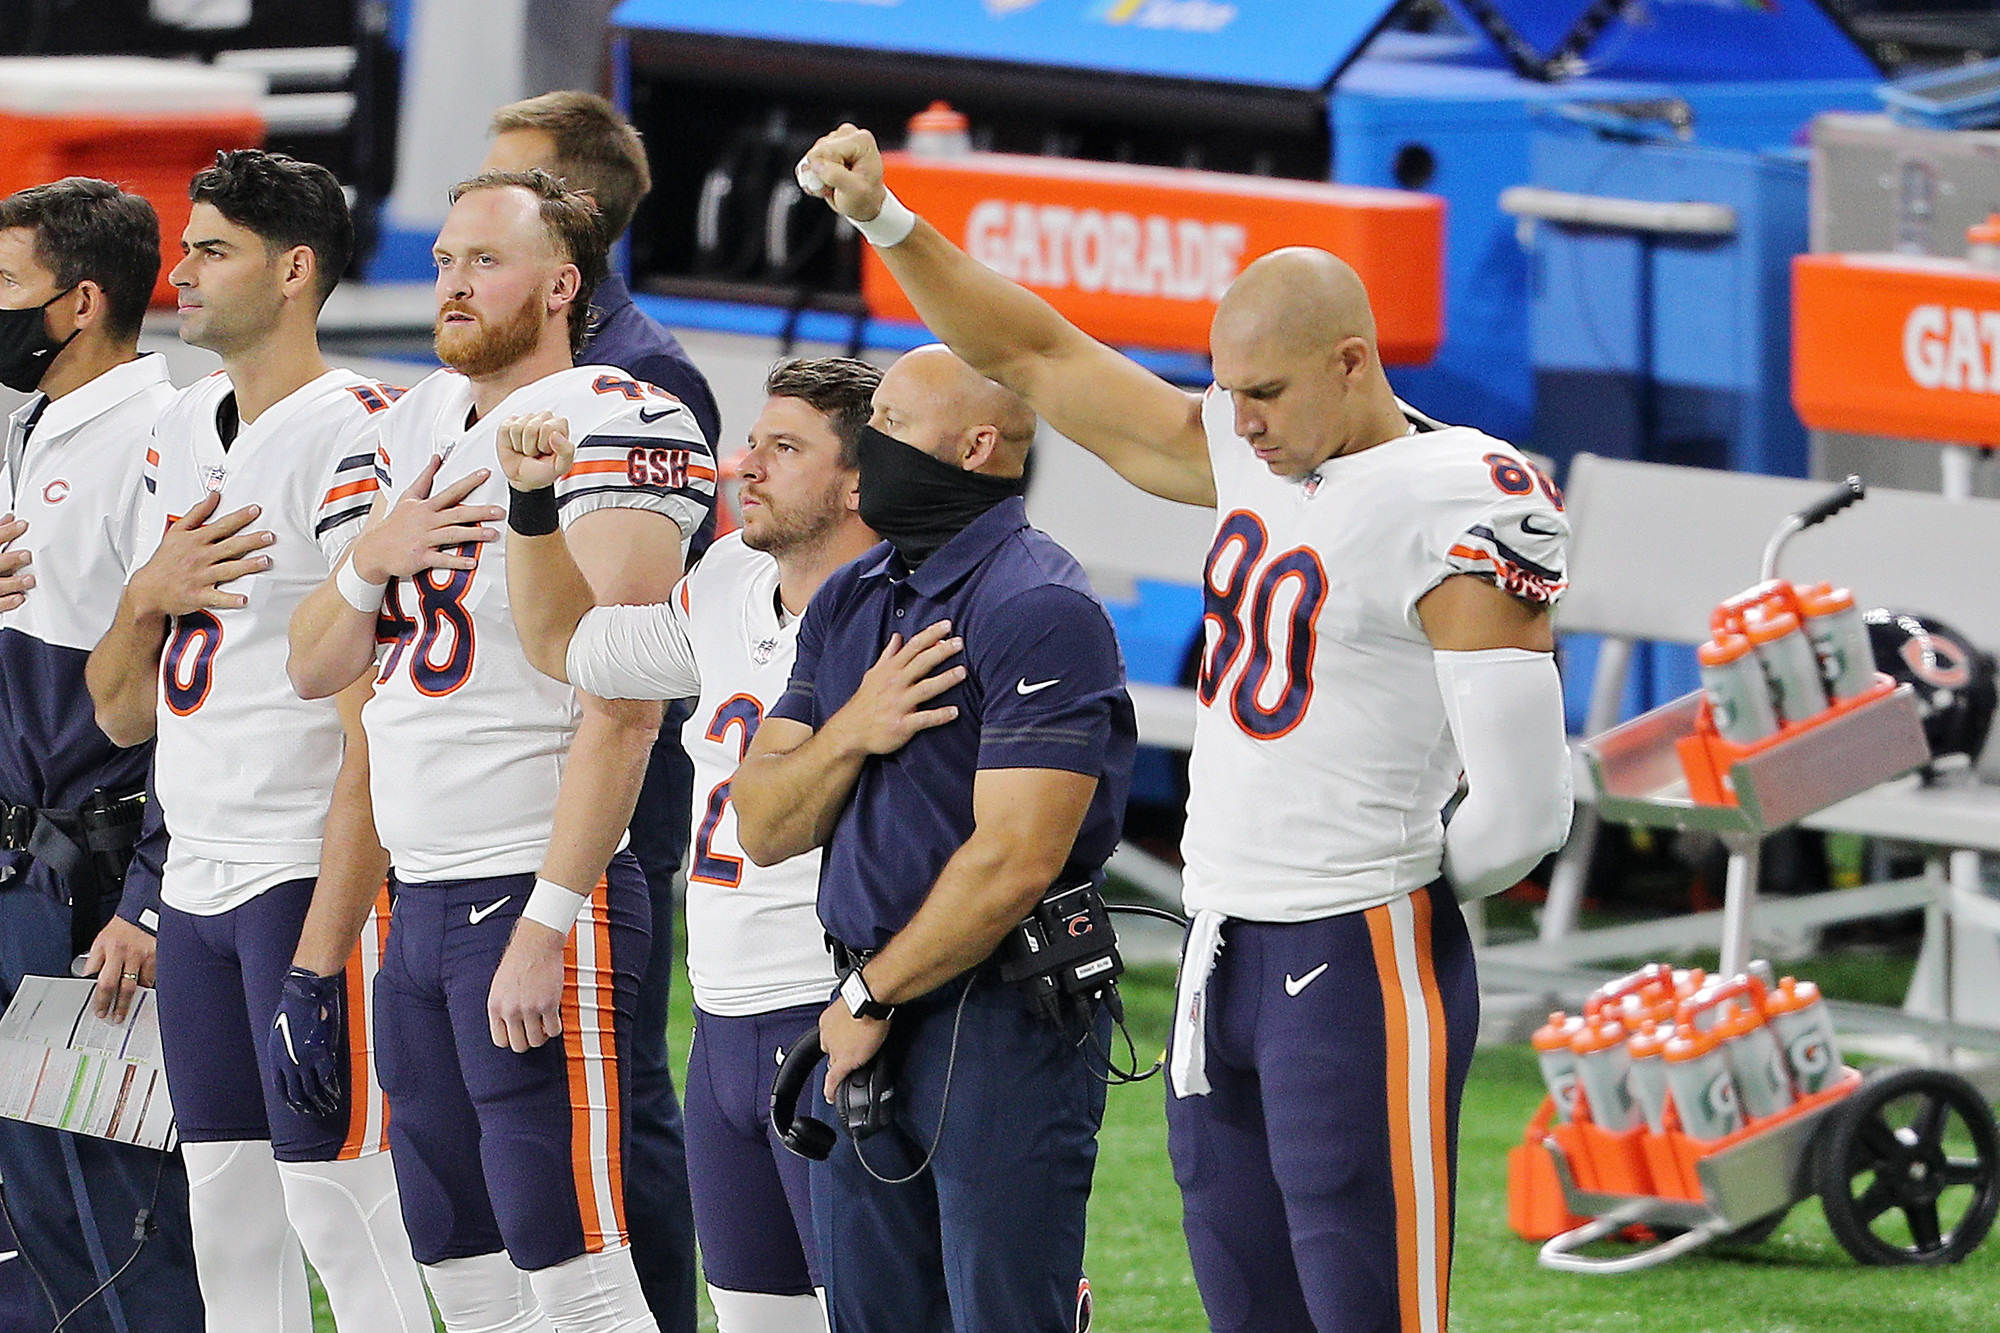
x=597 y=150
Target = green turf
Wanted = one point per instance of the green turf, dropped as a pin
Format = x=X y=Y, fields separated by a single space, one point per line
x=1798 y=1282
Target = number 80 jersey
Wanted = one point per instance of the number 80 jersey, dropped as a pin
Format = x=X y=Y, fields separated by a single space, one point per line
x=1322 y=759
x=466 y=738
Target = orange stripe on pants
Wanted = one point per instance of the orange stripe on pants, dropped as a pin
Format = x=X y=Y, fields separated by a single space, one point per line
x=590 y=1048
x=1396 y=1024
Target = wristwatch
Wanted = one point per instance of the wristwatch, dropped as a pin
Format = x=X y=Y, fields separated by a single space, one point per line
x=861 y=1002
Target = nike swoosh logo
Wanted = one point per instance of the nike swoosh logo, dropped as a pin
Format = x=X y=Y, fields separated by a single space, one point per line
x=1022 y=686
x=479 y=914
x=1529 y=526
x=1294 y=987
x=285 y=1030
x=650 y=417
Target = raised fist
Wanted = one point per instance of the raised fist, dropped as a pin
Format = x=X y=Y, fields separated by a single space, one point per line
x=845 y=169
x=535 y=450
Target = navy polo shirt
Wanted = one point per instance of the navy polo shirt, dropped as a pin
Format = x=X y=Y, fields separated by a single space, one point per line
x=1045 y=688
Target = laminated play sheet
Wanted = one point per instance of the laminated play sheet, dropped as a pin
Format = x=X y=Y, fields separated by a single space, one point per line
x=62 y=1065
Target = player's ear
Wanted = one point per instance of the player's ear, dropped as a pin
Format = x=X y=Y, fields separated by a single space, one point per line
x=568 y=282
x=299 y=269
x=1351 y=355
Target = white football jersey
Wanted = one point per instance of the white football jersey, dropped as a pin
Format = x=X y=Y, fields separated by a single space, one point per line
x=1322 y=759
x=466 y=739
x=245 y=768
x=754 y=941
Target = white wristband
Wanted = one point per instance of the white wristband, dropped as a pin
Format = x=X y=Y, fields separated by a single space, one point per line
x=891 y=226
x=358 y=592
x=553 y=906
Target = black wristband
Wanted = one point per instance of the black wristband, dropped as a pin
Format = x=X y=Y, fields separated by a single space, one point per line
x=533 y=513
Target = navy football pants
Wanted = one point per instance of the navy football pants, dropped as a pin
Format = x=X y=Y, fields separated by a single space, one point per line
x=495 y=1149
x=1317 y=1176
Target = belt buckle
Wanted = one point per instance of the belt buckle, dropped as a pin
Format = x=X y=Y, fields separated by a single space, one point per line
x=17 y=826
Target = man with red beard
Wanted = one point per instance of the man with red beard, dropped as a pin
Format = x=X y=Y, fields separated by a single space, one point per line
x=521 y=924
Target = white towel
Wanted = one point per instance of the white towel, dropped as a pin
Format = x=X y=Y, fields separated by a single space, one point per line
x=1189 y=1069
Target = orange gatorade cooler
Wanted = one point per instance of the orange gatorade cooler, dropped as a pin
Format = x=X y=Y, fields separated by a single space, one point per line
x=1551 y=1043
x=1703 y=1089
x=147 y=125
x=1804 y=1029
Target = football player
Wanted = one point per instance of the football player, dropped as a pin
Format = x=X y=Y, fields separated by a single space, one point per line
x=273 y=871
x=520 y=929
x=1377 y=620
x=756 y=951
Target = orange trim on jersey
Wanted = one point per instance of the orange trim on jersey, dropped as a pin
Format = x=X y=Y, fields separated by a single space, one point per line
x=1473 y=553
x=1420 y=904
x=601 y=465
x=700 y=473
x=351 y=488
x=152 y=458
x=685 y=608
x=1396 y=1049
x=587 y=997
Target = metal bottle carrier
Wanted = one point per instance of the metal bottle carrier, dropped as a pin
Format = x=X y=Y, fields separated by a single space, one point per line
x=1822 y=1143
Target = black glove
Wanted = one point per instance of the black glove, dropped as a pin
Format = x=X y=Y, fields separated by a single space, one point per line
x=305 y=1042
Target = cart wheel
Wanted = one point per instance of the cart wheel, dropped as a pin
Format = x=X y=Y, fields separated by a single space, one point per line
x=1908 y=1169
x=1755 y=1233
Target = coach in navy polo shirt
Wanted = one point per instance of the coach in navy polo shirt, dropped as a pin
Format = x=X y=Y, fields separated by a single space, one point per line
x=958 y=736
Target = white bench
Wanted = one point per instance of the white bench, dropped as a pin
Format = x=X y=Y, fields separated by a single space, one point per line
x=1654 y=548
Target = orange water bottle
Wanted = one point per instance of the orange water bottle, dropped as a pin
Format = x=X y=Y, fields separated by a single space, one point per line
x=1703 y=1089
x=1839 y=640
x=1788 y=661
x=1804 y=1028
x=1648 y=1078
x=1602 y=1068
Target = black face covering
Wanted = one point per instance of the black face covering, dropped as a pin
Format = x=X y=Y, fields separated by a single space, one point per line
x=25 y=346
x=918 y=502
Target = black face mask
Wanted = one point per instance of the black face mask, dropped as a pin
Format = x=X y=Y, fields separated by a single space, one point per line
x=25 y=346
x=918 y=503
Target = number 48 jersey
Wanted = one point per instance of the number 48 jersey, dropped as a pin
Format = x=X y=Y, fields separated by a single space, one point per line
x=1322 y=759
x=466 y=739
x=245 y=768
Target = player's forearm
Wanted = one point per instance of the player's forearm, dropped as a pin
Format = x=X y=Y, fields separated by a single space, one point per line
x=332 y=643
x=986 y=889
x=1504 y=706
x=123 y=672
x=788 y=803
x=352 y=863
x=549 y=597
x=996 y=325
x=600 y=786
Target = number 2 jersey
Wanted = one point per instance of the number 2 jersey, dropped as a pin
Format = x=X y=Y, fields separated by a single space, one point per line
x=466 y=739
x=245 y=768
x=754 y=940
x=1322 y=759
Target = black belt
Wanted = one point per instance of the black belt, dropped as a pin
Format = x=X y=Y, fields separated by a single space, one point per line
x=104 y=826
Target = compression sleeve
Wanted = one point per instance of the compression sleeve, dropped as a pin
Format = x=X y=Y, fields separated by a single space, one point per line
x=634 y=652
x=1505 y=709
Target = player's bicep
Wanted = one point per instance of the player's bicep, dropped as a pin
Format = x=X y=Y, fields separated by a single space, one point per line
x=1148 y=431
x=628 y=556
x=1467 y=613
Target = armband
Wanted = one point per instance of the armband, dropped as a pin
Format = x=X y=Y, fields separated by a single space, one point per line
x=553 y=906
x=891 y=226
x=356 y=591
x=533 y=513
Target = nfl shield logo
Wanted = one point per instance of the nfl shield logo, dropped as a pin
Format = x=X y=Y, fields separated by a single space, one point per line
x=213 y=478
x=761 y=654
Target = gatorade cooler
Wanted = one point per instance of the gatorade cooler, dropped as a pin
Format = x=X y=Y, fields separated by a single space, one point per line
x=147 y=125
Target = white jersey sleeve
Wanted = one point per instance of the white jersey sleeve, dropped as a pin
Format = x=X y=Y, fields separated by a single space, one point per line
x=635 y=652
x=646 y=452
x=352 y=482
x=1501 y=520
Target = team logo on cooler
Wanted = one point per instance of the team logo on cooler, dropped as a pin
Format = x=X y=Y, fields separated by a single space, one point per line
x=1951 y=347
x=1175 y=15
x=56 y=491
x=1055 y=247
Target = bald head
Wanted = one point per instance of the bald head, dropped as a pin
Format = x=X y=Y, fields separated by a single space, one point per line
x=1294 y=301
x=934 y=401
